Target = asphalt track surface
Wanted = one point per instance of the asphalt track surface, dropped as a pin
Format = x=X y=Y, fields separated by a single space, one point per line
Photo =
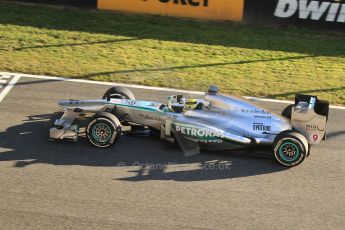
x=142 y=183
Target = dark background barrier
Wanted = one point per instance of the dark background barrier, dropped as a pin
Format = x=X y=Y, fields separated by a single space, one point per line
x=326 y=13
x=81 y=3
x=316 y=14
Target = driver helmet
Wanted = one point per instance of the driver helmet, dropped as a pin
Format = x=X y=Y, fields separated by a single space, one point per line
x=191 y=104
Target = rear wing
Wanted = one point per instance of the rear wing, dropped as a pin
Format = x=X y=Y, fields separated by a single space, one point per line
x=321 y=107
x=309 y=116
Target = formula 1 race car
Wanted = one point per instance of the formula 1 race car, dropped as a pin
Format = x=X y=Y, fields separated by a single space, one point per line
x=216 y=122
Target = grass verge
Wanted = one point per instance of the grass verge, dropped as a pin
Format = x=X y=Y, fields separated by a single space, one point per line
x=157 y=51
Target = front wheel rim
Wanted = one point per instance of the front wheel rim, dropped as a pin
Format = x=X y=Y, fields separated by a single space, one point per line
x=101 y=132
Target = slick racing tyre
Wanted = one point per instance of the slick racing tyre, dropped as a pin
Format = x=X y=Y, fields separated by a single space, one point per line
x=287 y=111
x=119 y=92
x=103 y=130
x=290 y=148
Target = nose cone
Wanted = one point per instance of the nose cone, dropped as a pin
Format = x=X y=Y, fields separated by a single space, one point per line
x=69 y=102
x=62 y=103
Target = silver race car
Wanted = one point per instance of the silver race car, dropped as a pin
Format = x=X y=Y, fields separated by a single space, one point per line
x=216 y=122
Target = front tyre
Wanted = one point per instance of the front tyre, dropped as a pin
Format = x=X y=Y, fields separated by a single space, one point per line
x=119 y=93
x=290 y=148
x=103 y=132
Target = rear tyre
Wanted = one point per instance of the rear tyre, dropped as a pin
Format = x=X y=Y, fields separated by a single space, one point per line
x=103 y=131
x=287 y=112
x=290 y=148
x=119 y=93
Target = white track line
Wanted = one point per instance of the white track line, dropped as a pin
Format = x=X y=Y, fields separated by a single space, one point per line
x=147 y=87
x=5 y=77
x=286 y=102
x=270 y=100
x=8 y=87
x=106 y=83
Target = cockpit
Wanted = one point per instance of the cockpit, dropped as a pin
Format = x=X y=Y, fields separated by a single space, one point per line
x=179 y=104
